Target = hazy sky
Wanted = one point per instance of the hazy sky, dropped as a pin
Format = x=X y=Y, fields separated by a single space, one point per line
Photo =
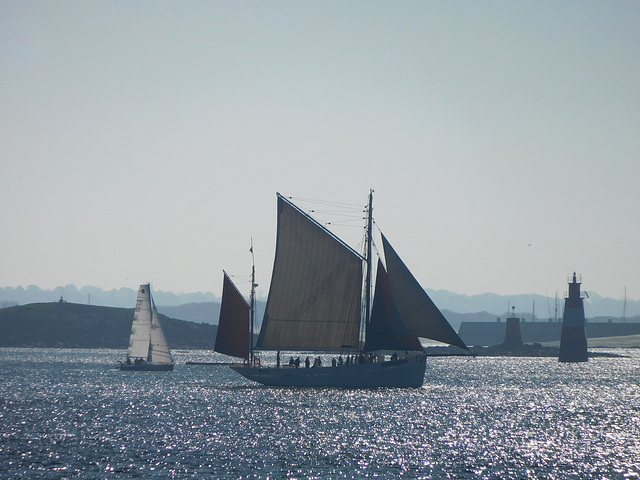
x=145 y=141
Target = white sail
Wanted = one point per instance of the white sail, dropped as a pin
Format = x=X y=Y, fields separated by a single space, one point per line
x=141 y=328
x=158 y=349
x=315 y=295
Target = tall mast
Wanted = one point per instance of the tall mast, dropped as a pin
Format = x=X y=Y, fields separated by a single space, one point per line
x=252 y=299
x=368 y=260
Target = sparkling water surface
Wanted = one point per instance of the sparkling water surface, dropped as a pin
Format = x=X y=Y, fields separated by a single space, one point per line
x=72 y=414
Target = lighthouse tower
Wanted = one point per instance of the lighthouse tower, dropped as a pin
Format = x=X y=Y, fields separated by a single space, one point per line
x=573 y=342
x=512 y=335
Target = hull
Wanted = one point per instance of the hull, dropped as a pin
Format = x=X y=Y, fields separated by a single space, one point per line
x=147 y=367
x=403 y=373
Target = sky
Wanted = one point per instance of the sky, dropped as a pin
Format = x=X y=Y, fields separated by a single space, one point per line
x=145 y=141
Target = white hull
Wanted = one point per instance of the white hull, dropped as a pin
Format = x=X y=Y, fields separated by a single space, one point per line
x=403 y=373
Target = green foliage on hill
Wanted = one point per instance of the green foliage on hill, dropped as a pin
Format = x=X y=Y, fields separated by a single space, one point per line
x=72 y=325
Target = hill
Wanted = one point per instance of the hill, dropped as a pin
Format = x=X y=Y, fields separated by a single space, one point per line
x=71 y=325
x=204 y=307
x=207 y=312
x=89 y=295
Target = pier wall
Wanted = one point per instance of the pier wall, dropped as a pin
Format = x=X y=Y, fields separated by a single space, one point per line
x=493 y=333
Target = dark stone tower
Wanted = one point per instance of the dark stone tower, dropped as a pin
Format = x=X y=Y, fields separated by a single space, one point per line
x=573 y=342
x=512 y=335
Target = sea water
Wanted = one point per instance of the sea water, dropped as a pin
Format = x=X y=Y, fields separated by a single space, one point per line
x=72 y=414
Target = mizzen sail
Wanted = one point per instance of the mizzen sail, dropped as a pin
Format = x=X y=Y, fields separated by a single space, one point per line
x=417 y=315
x=316 y=287
x=233 y=324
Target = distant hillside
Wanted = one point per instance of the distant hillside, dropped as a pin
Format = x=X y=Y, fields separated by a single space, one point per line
x=70 y=325
x=207 y=312
x=198 y=303
x=88 y=295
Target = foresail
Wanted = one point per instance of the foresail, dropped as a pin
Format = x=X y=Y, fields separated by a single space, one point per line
x=417 y=314
x=380 y=334
x=316 y=287
x=233 y=324
x=141 y=327
x=158 y=350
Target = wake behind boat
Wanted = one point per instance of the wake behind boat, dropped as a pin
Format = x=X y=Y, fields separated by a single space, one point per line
x=148 y=349
x=316 y=306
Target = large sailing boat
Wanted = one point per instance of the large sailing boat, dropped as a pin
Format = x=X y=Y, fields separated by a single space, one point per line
x=148 y=349
x=315 y=307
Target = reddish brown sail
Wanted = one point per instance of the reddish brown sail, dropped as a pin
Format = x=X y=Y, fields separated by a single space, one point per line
x=233 y=325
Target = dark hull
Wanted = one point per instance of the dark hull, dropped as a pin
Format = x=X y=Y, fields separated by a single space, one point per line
x=403 y=373
x=147 y=367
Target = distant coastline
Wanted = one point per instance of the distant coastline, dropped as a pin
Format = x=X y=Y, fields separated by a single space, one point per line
x=69 y=325
x=205 y=307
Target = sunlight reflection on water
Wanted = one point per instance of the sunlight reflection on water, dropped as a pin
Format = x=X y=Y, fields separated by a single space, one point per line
x=70 y=413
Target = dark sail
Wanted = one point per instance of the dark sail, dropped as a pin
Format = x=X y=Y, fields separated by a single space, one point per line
x=233 y=326
x=316 y=287
x=380 y=334
x=417 y=314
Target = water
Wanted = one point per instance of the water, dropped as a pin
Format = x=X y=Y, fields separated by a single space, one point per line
x=71 y=414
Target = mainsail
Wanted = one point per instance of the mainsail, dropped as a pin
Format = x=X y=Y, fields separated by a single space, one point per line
x=415 y=313
x=141 y=328
x=158 y=348
x=233 y=324
x=316 y=287
x=380 y=333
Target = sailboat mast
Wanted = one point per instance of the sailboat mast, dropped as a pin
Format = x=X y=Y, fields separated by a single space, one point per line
x=368 y=260
x=253 y=301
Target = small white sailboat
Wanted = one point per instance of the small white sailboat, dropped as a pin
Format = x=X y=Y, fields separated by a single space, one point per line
x=148 y=349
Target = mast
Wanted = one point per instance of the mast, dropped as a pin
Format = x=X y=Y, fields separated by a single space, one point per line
x=252 y=301
x=369 y=232
x=533 y=313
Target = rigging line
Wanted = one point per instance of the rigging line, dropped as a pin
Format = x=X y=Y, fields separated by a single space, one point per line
x=345 y=223
x=374 y=245
x=337 y=214
x=326 y=202
x=240 y=278
x=338 y=218
x=319 y=225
